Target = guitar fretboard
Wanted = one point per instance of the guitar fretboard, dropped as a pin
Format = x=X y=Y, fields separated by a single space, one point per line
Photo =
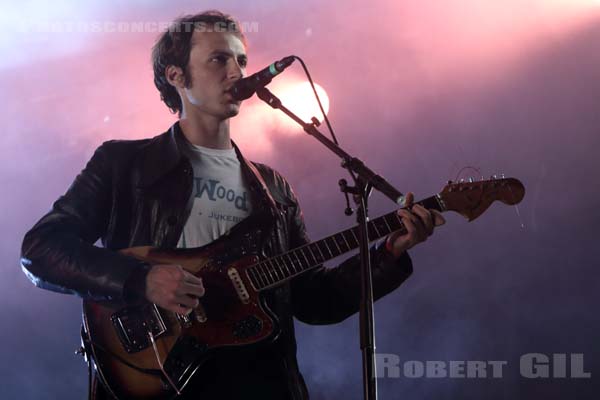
x=273 y=271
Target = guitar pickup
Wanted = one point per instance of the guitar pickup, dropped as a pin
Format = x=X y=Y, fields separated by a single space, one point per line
x=134 y=323
x=239 y=286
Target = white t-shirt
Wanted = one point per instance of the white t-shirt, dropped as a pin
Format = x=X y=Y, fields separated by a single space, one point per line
x=221 y=198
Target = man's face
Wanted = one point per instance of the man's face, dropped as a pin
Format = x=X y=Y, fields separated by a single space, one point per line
x=217 y=60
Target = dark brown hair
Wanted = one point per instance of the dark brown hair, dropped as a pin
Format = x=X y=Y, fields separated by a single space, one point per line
x=174 y=45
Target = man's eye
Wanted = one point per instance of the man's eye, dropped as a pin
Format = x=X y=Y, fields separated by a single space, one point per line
x=219 y=59
x=243 y=63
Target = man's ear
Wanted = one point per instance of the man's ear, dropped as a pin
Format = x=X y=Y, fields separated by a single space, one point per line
x=175 y=76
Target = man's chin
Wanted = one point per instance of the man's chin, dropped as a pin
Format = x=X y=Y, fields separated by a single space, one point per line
x=232 y=110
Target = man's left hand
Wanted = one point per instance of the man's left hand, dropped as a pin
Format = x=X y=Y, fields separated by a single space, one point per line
x=419 y=222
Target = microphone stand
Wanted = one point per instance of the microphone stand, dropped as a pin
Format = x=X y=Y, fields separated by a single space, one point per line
x=365 y=180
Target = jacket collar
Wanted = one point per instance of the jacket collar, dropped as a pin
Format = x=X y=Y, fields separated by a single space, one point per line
x=160 y=156
x=163 y=154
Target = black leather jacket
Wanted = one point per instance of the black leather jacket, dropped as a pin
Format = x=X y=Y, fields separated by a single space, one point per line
x=134 y=193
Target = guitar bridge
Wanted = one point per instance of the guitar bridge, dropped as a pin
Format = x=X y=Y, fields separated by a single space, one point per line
x=133 y=324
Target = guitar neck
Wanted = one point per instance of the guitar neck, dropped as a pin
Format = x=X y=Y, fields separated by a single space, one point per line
x=276 y=270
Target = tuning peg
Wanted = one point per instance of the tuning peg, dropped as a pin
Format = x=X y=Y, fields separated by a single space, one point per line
x=471 y=180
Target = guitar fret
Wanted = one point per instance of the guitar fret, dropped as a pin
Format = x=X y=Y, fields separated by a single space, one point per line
x=399 y=221
x=300 y=265
x=387 y=225
x=345 y=241
x=329 y=247
x=322 y=242
x=276 y=261
x=261 y=277
x=252 y=276
x=355 y=237
x=356 y=243
x=249 y=274
x=270 y=273
x=257 y=274
x=331 y=255
x=331 y=239
x=274 y=268
x=312 y=254
x=341 y=242
x=372 y=225
x=287 y=269
x=282 y=264
x=291 y=262
x=280 y=270
x=382 y=226
x=263 y=273
x=391 y=223
x=320 y=253
x=301 y=251
x=281 y=261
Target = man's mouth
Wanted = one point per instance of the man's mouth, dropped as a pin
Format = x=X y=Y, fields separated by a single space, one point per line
x=229 y=96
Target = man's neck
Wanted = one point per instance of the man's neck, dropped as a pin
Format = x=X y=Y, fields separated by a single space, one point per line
x=206 y=132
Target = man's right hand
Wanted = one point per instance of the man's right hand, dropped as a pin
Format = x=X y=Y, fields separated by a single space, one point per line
x=173 y=288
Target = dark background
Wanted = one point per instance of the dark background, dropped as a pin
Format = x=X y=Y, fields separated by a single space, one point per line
x=419 y=91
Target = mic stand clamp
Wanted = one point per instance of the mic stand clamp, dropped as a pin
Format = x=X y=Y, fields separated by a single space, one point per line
x=344 y=188
x=364 y=181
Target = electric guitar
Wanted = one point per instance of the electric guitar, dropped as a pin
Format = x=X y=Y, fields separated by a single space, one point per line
x=151 y=353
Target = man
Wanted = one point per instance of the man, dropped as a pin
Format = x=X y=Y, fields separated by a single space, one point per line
x=161 y=192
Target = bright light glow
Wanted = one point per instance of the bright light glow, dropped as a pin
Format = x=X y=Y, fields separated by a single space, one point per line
x=300 y=99
x=295 y=94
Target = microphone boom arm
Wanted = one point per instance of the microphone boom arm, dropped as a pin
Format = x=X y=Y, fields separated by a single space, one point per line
x=351 y=163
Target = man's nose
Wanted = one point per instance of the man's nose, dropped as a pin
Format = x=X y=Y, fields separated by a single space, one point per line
x=235 y=71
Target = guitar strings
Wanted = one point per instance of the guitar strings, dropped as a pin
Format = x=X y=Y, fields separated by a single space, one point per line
x=160 y=364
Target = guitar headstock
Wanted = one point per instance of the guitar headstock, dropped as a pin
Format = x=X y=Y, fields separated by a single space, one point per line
x=471 y=198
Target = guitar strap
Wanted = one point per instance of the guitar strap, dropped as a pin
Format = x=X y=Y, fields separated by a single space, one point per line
x=255 y=177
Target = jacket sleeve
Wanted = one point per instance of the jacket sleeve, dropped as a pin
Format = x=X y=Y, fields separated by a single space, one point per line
x=330 y=295
x=58 y=253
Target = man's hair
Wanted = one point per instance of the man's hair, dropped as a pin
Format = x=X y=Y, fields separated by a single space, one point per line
x=174 y=45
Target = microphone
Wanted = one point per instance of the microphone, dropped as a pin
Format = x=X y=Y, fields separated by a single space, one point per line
x=246 y=87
